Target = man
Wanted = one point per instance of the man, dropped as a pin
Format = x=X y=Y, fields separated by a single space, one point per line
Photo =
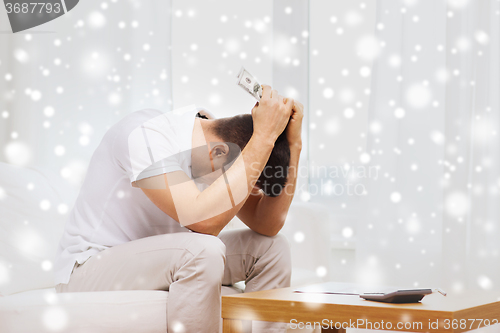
x=141 y=222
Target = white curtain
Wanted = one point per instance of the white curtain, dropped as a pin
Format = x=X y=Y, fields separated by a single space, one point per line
x=65 y=82
x=432 y=216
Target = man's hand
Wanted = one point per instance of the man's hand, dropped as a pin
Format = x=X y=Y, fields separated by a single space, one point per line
x=271 y=115
x=294 y=129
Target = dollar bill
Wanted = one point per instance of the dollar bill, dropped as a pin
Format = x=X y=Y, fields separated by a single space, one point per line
x=249 y=83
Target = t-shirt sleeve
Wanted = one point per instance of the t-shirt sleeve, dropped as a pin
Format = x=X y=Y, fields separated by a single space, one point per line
x=149 y=151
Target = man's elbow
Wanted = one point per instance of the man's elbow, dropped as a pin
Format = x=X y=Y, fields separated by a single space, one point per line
x=271 y=233
x=207 y=227
x=206 y=231
x=274 y=230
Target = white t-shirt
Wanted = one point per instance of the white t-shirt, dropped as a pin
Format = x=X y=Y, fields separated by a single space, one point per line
x=108 y=210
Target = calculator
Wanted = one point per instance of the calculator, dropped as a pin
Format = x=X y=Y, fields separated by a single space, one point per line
x=398 y=296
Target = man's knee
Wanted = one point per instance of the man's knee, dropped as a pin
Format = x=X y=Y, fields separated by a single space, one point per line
x=277 y=247
x=281 y=247
x=213 y=248
x=280 y=241
x=204 y=245
x=212 y=257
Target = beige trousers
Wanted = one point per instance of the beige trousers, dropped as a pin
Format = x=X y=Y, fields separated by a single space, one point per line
x=192 y=267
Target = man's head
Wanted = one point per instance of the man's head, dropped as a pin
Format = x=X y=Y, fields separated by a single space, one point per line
x=227 y=137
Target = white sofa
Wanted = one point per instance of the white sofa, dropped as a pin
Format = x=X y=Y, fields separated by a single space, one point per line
x=33 y=207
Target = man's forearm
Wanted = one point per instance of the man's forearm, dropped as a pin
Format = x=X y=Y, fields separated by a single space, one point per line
x=271 y=212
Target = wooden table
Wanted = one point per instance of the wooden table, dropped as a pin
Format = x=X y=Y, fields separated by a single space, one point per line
x=435 y=313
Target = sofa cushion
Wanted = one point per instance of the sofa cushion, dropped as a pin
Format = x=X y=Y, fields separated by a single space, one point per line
x=44 y=310
x=33 y=206
x=123 y=311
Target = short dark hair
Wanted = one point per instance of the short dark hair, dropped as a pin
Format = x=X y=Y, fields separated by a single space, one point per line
x=239 y=130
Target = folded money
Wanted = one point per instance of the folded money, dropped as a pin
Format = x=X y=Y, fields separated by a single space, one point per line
x=249 y=83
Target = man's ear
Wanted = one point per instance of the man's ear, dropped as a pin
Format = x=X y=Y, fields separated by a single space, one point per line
x=219 y=149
